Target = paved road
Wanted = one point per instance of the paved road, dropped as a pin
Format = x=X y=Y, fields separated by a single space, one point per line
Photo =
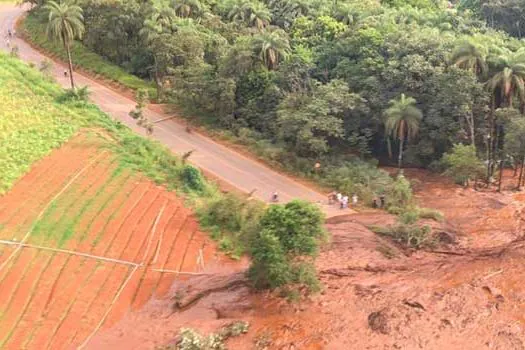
x=223 y=163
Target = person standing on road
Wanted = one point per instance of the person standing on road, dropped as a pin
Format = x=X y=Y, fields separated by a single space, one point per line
x=382 y=200
x=275 y=197
x=344 y=203
x=354 y=199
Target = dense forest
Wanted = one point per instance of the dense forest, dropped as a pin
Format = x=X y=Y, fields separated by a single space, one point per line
x=328 y=81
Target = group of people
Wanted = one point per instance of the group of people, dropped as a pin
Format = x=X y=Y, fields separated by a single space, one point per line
x=341 y=199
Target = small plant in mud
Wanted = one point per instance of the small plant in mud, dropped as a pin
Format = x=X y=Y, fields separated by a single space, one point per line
x=192 y=340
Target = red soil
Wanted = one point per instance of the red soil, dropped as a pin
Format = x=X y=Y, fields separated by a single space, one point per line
x=375 y=295
x=20 y=213
x=56 y=300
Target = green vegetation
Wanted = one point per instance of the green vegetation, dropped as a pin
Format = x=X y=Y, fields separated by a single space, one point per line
x=65 y=24
x=31 y=124
x=38 y=116
x=33 y=27
x=463 y=165
x=301 y=82
x=192 y=340
x=285 y=244
x=408 y=235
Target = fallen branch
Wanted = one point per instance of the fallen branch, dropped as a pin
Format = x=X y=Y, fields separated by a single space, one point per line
x=185 y=298
x=164 y=119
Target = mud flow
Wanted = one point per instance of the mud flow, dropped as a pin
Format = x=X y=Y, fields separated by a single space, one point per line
x=465 y=293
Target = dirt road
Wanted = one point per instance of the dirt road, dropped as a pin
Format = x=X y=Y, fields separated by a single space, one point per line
x=217 y=160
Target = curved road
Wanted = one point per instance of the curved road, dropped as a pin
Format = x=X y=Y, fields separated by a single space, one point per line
x=221 y=162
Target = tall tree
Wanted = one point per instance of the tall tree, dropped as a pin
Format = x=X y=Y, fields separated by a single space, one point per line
x=271 y=47
x=471 y=57
x=508 y=78
x=402 y=122
x=65 y=24
x=515 y=144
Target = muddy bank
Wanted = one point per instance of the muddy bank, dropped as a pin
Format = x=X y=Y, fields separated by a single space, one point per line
x=375 y=295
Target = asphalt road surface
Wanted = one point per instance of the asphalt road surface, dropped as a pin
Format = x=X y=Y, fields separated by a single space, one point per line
x=221 y=162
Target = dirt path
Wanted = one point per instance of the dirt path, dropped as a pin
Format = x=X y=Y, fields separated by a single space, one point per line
x=225 y=164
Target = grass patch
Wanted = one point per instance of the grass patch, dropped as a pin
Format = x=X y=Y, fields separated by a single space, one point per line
x=33 y=28
x=428 y=213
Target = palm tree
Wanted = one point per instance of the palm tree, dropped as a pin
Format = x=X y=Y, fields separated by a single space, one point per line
x=65 y=24
x=402 y=121
x=271 y=47
x=258 y=15
x=187 y=8
x=508 y=78
x=471 y=57
x=237 y=12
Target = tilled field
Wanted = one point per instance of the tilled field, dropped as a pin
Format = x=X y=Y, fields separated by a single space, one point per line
x=110 y=232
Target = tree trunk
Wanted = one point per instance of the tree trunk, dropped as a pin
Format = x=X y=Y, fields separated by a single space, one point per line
x=500 y=174
x=70 y=62
x=400 y=156
x=389 y=147
x=521 y=173
x=158 y=80
x=470 y=122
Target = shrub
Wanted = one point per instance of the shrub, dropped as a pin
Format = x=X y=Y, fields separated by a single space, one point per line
x=270 y=267
x=232 y=220
x=399 y=193
x=192 y=178
x=359 y=177
x=74 y=95
x=192 y=340
x=283 y=249
x=462 y=164
x=409 y=217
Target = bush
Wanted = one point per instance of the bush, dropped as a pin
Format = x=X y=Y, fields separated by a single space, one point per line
x=283 y=249
x=232 y=220
x=359 y=177
x=462 y=164
x=409 y=217
x=74 y=95
x=270 y=267
x=192 y=178
x=399 y=193
x=192 y=340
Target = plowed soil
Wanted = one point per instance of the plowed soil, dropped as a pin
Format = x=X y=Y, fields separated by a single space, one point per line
x=80 y=199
